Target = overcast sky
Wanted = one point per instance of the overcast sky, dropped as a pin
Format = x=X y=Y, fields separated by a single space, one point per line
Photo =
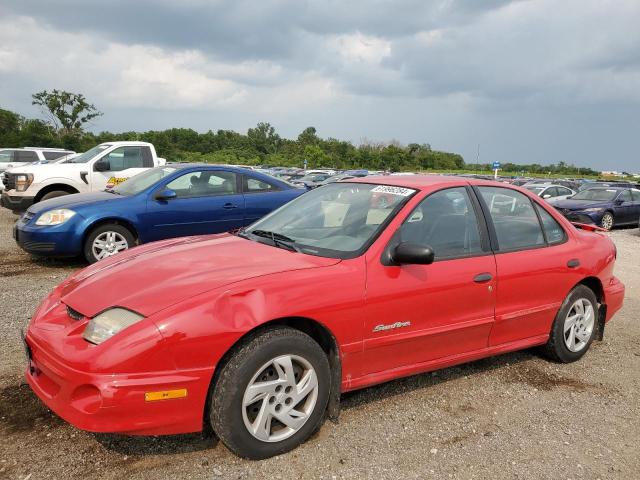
x=529 y=81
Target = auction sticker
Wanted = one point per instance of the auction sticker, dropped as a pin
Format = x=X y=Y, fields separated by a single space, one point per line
x=404 y=192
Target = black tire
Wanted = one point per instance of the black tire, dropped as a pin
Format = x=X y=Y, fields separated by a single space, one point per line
x=54 y=194
x=226 y=409
x=556 y=349
x=99 y=230
x=608 y=221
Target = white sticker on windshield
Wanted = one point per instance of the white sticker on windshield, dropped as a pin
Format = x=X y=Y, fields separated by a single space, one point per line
x=404 y=192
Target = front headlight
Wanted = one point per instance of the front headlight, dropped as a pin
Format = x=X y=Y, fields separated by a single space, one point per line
x=108 y=323
x=598 y=209
x=55 y=217
x=23 y=180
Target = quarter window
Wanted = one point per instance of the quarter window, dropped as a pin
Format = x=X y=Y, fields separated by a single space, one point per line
x=255 y=185
x=514 y=219
x=205 y=183
x=554 y=232
x=446 y=221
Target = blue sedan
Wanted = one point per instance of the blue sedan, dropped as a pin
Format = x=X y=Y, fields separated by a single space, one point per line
x=165 y=202
x=603 y=206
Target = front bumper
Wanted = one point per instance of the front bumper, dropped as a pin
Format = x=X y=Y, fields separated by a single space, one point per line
x=579 y=216
x=58 y=240
x=115 y=403
x=15 y=203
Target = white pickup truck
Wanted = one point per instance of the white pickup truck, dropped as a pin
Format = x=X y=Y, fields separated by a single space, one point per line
x=103 y=166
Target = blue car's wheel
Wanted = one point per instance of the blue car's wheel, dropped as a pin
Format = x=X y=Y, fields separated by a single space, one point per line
x=107 y=240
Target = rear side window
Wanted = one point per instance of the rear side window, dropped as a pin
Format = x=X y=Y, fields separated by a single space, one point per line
x=447 y=222
x=252 y=185
x=515 y=221
x=553 y=231
x=26 y=156
x=48 y=155
x=6 y=156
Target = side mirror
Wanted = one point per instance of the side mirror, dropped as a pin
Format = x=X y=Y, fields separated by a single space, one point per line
x=412 y=254
x=546 y=196
x=102 y=165
x=166 y=194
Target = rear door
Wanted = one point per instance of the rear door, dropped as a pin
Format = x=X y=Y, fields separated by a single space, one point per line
x=207 y=201
x=625 y=208
x=535 y=264
x=123 y=162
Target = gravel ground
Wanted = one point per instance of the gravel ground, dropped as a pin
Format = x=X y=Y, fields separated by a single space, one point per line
x=512 y=416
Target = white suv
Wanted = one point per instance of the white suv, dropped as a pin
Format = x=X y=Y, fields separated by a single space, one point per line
x=19 y=157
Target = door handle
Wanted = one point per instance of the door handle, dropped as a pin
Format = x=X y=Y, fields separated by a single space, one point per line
x=483 y=278
x=229 y=206
x=573 y=263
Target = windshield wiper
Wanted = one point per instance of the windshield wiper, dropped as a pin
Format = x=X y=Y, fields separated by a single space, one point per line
x=278 y=239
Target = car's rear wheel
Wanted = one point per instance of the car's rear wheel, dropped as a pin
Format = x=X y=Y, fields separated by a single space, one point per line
x=107 y=240
x=575 y=326
x=271 y=394
x=607 y=221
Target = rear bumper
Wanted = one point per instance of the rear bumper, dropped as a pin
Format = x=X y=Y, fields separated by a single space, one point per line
x=115 y=403
x=613 y=297
x=15 y=203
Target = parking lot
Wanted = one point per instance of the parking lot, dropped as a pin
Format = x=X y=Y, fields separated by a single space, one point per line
x=513 y=416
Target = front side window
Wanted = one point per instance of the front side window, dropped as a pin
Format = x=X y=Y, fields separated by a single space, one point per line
x=447 y=222
x=339 y=220
x=553 y=231
x=635 y=194
x=563 y=191
x=625 y=196
x=204 y=183
x=514 y=219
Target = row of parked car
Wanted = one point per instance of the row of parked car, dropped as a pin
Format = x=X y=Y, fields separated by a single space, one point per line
x=121 y=194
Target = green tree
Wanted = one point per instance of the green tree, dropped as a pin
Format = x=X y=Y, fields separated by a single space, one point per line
x=264 y=138
x=66 y=112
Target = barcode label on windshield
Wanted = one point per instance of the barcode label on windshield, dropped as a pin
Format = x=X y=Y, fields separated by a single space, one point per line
x=403 y=192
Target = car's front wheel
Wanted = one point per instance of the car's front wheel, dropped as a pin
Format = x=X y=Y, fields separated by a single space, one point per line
x=574 y=327
x=107 y=240
x=607 y=221
x=271 y=394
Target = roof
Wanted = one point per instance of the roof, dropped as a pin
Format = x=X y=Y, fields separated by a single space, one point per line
x=422 y=181
x=127 y=142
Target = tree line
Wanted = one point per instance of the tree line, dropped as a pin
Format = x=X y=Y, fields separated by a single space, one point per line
x=67 y=114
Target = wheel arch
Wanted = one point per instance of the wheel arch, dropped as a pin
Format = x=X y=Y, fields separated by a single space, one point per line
x=54 y=187
x=104 y=221
x=317 y=331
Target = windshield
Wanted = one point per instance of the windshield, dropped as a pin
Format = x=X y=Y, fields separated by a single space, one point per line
x=142 y=181
x=88 y=155
x=535 y=189
x=597 y=194
x=339 y=220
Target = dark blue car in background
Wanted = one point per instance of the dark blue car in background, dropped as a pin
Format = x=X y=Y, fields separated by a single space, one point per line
x=171 y=201
x=602 y=206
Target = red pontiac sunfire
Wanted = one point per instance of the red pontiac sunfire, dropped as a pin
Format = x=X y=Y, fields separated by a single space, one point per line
x=256 y=334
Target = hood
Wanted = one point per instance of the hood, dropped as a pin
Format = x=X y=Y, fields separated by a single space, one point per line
x=74 y=201
x=157 y=275
x=571 y=204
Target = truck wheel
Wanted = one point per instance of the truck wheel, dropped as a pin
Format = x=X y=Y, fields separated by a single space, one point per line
x=107 y=240
x=271 y=395
x=574 y=327
x=54 y=194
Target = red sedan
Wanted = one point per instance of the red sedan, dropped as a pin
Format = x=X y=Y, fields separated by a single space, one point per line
x=257 y=333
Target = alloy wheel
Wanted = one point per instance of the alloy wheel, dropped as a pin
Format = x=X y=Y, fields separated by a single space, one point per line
x=107 y=244
x=578 y=325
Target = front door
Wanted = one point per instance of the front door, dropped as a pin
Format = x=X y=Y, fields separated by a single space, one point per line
x=123 y=162
x=206 y=201
x=418 y=313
